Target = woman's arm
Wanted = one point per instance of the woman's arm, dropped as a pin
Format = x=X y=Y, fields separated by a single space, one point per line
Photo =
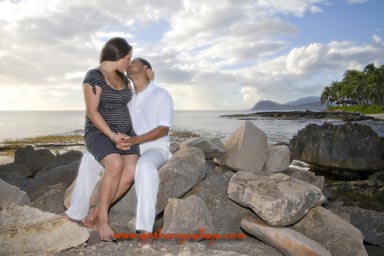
x=91 y=104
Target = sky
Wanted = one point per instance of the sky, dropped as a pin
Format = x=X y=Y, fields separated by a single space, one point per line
x=209 y=54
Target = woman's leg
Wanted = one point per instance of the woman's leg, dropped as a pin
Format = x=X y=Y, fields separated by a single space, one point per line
x=110 y=180
x=128 y=175
x=125 y=183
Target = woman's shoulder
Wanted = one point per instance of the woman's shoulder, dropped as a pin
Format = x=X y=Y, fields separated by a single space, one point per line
x=93 y=75
x=95 y=72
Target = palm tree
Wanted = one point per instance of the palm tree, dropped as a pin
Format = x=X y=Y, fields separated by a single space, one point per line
x=375 y=81
x=354 y=83
x=326 y=96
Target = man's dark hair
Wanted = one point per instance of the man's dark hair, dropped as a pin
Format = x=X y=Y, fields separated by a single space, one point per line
x=145 y=62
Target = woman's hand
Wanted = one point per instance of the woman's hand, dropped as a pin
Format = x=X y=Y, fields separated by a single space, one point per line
x=122 y=141
x=119 y=137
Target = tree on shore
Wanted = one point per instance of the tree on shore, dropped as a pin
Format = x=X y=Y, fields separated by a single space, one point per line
x=363 y=87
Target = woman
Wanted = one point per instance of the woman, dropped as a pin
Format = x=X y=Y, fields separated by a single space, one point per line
x=106 y=93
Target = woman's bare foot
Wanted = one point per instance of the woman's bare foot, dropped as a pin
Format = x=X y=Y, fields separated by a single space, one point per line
x=90 y=219
x=105 y=231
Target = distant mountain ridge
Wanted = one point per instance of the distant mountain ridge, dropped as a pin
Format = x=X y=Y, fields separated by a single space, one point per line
x=305 y=103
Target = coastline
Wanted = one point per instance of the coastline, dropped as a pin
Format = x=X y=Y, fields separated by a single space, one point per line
x=377 y=116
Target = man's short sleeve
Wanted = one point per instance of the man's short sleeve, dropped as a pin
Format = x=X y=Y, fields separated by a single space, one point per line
x=165 y=110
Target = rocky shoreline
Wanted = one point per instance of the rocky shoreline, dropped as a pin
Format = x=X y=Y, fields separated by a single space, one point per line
x=243 y=186
x=295 y=115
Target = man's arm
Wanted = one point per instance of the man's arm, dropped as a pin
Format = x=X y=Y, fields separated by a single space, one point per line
x=153 y=134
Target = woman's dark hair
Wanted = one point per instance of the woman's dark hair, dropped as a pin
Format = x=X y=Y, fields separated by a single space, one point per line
x=115 y=49
x=145 y=62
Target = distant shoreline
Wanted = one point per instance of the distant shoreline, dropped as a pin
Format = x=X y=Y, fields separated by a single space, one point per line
x=377 y=116
x=293 y=115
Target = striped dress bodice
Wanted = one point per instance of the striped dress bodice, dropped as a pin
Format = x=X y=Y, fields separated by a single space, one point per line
x=112 y=105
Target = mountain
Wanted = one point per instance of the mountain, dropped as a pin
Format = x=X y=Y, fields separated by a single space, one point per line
x=305 y=100
x=306 y=103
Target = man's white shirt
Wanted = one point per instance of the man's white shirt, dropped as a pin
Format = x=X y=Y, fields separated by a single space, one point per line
x=149 y=109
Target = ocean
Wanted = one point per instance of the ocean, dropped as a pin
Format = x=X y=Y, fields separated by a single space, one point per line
x=25 y=124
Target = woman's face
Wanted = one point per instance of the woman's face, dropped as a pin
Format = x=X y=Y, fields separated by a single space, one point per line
x=125 y=62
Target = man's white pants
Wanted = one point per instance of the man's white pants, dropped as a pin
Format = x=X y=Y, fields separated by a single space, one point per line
x=146 y=184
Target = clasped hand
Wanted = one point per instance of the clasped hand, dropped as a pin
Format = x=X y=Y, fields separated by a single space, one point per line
x=123 y=142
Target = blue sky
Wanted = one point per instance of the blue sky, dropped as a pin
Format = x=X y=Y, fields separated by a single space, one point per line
x=209 y=54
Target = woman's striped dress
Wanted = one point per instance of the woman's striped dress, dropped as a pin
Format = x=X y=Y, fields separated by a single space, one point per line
x=113 y=108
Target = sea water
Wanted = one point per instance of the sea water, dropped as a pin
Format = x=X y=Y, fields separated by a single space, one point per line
x=24 y=124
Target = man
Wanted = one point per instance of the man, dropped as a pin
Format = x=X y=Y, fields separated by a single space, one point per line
x=151 y=110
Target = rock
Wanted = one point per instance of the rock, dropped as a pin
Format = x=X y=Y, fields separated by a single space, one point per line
x=350 y=146
x=370 y=223
x=63 y=159
x=210 y=147
x=26 y=230
x=187 y=216
x=11 y=196
x=366 y=194
x=226 y=214
x=52 y=200
x=335 y=234
x=40 y=184
x=286 y=240
x=247 y=149
x=306 y=176
x=180 y=174
x=279 y=158
x=36 y=160
x=374 y=250
x=276 y=198
x=14 y=171
x=171 y=248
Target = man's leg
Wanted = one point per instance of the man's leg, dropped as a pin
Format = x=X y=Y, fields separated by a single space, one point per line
x=87 y=178
x=147 y=185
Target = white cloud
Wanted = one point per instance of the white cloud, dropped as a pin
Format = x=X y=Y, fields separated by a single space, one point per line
x=210 y=54
x=250 y=95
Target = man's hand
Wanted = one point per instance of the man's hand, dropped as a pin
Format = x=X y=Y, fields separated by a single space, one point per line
x=150 y=74
x=123 y=142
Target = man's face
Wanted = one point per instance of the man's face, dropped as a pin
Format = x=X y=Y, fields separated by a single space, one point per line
x=135 y=67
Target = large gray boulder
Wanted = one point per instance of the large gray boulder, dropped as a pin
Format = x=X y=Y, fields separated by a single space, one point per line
x=370 y=223
x=278 y=160
x=39 y=185
x=277 y=199
x=36 y=160
x=226 y=214
x=334 y=233
x=187 y=216
x=26 y=230
x=12 y=171
x=11 y=196
x=211 y=147
x=180 y=174
x=349 y=146
x=247 y=149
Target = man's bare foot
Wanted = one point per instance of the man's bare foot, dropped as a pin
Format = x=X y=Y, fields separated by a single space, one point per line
x=90 y=219
x=105 y=231
x=144 y=241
